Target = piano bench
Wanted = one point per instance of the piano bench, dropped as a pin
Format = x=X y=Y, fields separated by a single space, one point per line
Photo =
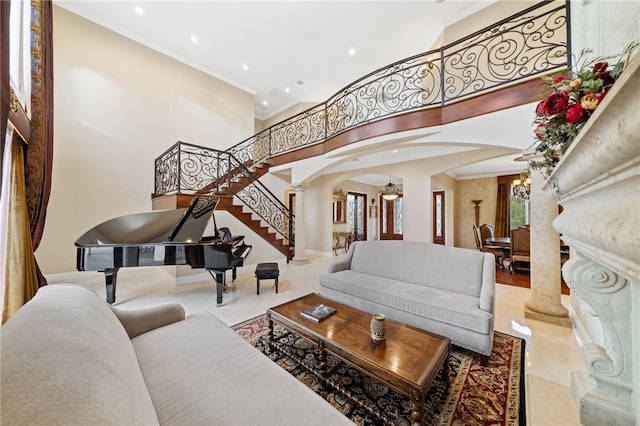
x=267 y=271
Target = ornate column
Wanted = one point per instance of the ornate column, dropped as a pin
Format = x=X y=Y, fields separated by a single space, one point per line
x=545 y=303
x=477 y=209
x=597 y=183
x=299 y=256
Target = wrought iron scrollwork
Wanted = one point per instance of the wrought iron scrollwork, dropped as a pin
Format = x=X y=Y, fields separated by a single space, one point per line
x=521 y=46
x=187 y=168
x=524 y=45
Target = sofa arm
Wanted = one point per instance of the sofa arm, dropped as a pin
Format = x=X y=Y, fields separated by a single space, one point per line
x=488 y=289
x=343 y=264
x=140 y=321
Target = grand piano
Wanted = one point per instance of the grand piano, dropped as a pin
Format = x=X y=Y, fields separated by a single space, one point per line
x=163 y=237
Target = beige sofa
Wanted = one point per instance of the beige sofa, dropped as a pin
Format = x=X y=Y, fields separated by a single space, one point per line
x=446 y=290
x=70 y=359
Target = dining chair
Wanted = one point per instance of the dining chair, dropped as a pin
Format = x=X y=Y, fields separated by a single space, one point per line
x=499 y=254
x=520 y=247
x=486 y=233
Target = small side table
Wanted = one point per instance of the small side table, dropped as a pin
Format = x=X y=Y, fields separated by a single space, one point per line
x=267 y=271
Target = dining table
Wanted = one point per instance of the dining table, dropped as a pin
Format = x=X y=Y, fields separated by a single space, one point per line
x=498 y=241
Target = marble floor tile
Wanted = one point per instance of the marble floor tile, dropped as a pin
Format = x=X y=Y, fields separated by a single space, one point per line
x=551 y=351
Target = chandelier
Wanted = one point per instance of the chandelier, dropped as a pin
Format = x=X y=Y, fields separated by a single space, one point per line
x=390 y=191
x=522 y=186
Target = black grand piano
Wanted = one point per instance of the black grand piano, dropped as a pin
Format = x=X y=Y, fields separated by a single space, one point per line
x=163 y=237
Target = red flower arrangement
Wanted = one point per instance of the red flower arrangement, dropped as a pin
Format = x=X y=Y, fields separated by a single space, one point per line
x=562 y=114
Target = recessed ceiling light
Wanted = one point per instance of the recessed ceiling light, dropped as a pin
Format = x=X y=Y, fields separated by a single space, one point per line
x=245 y=67
x=193 y=39
x=287 y=90
x=265 y=103
x=139 y=10
x=352 y=51
x=394 y=150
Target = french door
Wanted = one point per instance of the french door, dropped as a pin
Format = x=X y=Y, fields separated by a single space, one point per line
x=357 y=215
x=391 y=219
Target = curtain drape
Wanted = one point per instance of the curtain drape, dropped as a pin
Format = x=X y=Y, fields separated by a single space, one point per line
x=30 y=164
x=502 y=223
x=21 y=279
x=40 y=153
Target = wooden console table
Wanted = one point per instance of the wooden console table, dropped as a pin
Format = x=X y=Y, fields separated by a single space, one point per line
x=342 y=240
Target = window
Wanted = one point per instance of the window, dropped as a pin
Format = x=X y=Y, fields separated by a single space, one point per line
x=518 y=212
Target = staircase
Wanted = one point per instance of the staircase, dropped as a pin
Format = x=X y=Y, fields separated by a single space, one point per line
x=230 y=180
x=280 y=244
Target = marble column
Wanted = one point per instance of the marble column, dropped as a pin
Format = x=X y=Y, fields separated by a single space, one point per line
x=545 y=303
x=299 y=256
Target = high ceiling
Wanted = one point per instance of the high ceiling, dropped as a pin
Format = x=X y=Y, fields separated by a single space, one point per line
x=285 y=52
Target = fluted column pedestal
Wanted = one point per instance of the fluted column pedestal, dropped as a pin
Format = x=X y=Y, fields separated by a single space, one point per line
x=300 y=251
x=545 y=303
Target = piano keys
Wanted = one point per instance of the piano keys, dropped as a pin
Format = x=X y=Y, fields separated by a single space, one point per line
x=163 y=237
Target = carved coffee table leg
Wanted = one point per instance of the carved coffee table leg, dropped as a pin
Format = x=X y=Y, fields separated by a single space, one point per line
x=417 y=402
x=269 y=347
x=323 y=365
x=445 y=374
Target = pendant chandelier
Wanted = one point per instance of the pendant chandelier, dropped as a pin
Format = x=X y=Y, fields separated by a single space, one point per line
x=522 y=186
x=390 y=191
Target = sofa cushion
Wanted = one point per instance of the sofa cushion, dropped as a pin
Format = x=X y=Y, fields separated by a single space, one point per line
x=448 y=268
x=200 y=372
x=433 y=303
x=67 y=360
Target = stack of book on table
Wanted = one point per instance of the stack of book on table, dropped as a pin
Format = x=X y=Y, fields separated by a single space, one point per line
x=318 y=312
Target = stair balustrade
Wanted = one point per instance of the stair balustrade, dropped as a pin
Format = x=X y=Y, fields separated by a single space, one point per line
x=191 y=169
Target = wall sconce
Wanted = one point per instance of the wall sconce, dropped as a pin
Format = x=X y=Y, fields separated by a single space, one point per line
x=372 y=208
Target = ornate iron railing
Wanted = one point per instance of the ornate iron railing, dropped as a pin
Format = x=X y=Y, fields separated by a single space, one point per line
x=187 y=168
x=525 y=45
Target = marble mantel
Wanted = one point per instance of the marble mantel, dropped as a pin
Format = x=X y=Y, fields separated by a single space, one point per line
x=598 y=184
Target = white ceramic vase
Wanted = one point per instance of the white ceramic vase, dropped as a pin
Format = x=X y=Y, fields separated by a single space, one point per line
x=378 y=328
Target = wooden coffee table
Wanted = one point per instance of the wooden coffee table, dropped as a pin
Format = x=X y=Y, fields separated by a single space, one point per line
x=408 y=361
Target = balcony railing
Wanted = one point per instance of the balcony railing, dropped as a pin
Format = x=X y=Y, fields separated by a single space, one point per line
x=525 y=45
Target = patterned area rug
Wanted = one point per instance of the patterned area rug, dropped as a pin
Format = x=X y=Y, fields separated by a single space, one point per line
x=492 y=395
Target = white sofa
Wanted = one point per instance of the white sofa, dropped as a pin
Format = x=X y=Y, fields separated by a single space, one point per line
x=445 y=290
x=68 y=358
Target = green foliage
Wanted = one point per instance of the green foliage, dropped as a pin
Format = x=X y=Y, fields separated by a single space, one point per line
x=518 y=212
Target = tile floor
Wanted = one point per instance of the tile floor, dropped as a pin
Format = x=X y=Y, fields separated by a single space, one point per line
x=552 y=352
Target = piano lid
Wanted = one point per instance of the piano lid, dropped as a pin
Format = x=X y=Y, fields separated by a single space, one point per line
x=183 y=225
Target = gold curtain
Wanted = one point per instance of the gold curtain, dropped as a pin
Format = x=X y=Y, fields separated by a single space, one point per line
x=502 y=224
x=30 y=165
x=21 y=279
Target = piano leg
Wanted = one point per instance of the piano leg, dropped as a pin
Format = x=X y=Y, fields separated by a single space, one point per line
x=220 y=278
x=110 y=276
x=233 y=274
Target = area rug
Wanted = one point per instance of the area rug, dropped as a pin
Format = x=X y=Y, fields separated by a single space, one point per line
x=491 y=395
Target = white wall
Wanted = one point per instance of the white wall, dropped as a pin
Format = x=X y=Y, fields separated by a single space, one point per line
x=118 y=106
